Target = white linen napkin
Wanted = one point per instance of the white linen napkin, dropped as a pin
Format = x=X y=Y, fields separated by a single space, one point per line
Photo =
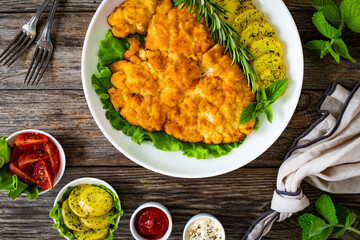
x=327 y=155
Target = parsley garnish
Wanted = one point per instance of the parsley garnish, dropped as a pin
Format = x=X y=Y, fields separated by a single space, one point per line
x=348 y=14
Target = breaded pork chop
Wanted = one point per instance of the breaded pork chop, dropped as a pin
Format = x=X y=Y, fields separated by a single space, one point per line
x=181 y=82
x=133 y=16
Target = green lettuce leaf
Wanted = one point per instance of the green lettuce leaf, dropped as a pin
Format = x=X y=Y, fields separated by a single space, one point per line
x=101 y=82
x=10 y=182
x=5 y=152
x=64 y=231
x=31 y=192
x=111 y=49
x=55 y=214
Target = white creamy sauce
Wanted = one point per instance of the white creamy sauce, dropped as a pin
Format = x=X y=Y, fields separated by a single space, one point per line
x=204 y=229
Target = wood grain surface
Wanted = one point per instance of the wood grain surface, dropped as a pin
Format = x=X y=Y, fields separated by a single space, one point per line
x=57 y=105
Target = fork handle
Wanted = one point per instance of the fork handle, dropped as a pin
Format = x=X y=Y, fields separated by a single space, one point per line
x=46 y=32
x=34 y=19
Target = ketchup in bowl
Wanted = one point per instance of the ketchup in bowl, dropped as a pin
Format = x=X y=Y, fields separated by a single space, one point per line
x=151 y=223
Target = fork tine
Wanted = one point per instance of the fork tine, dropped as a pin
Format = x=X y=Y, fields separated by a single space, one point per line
x=14 y=45
x=18 y=48
x=48 y=56
x=43 y=55
x=21 y=52
x=31 y=70
x=11 y=43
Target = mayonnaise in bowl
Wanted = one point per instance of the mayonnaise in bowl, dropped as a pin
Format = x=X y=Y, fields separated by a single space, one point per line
x=203 y=227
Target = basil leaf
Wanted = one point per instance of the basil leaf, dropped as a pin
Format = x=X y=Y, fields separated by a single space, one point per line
x=268 y=113
x=330 y=10
x=333 y=53
x=324 y=27
x=257 y=124
x=276 y=89
x=318 y=47
x=341 y=48
x=249 y=113
x=177 y=2
x=260 y=95
x=261 y=105
x=350 y=12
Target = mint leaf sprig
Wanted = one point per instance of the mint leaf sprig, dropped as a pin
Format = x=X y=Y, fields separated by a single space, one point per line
x=348 y=14
x=264 y=99
x=336 y=220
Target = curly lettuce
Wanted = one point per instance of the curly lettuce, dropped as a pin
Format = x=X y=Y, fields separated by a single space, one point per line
x=111 y=50
x=10 y=182
x=5 y=152
x=64 y=231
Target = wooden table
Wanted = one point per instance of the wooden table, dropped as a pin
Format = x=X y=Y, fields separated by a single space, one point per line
x=57 y=105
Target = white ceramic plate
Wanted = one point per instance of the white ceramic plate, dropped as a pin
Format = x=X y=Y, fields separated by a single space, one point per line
x=174 y=163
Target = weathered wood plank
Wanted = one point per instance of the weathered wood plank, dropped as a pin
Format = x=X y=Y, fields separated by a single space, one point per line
x=58 y=106
x=64 y=114
x=86 y=5
x=64 y=69
x=237 y=199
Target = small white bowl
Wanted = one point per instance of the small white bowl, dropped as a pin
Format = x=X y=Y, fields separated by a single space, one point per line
x=204 y=215
x=11 y=141
x=146 y=205
x=86 y=180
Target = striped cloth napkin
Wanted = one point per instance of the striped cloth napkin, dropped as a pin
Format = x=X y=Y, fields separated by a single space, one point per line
x=327 y=156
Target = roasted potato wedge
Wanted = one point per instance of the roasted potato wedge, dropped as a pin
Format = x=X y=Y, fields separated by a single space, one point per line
x=270 y=76
x=235 y=7
x=268 y=61
x=254 y=30
x=98 y=222
x=92 y=234
x=74 y=199
x=264 y=45
x=244 y=5
x=95 y=201
x=70 y=219
x=246 y=18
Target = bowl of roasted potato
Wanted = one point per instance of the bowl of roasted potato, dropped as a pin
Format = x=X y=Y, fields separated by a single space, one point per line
x=87 y=208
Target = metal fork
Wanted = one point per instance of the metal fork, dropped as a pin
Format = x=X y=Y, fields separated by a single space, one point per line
x=22 y=39
x=43 y=52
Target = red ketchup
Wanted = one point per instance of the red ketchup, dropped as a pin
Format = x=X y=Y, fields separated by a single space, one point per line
x=151 y=223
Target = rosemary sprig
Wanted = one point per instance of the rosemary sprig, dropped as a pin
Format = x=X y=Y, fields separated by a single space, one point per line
x=223 y=33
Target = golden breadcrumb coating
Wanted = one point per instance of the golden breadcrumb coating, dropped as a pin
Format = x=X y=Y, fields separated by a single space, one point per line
x=133 y=16
x=181 y=82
